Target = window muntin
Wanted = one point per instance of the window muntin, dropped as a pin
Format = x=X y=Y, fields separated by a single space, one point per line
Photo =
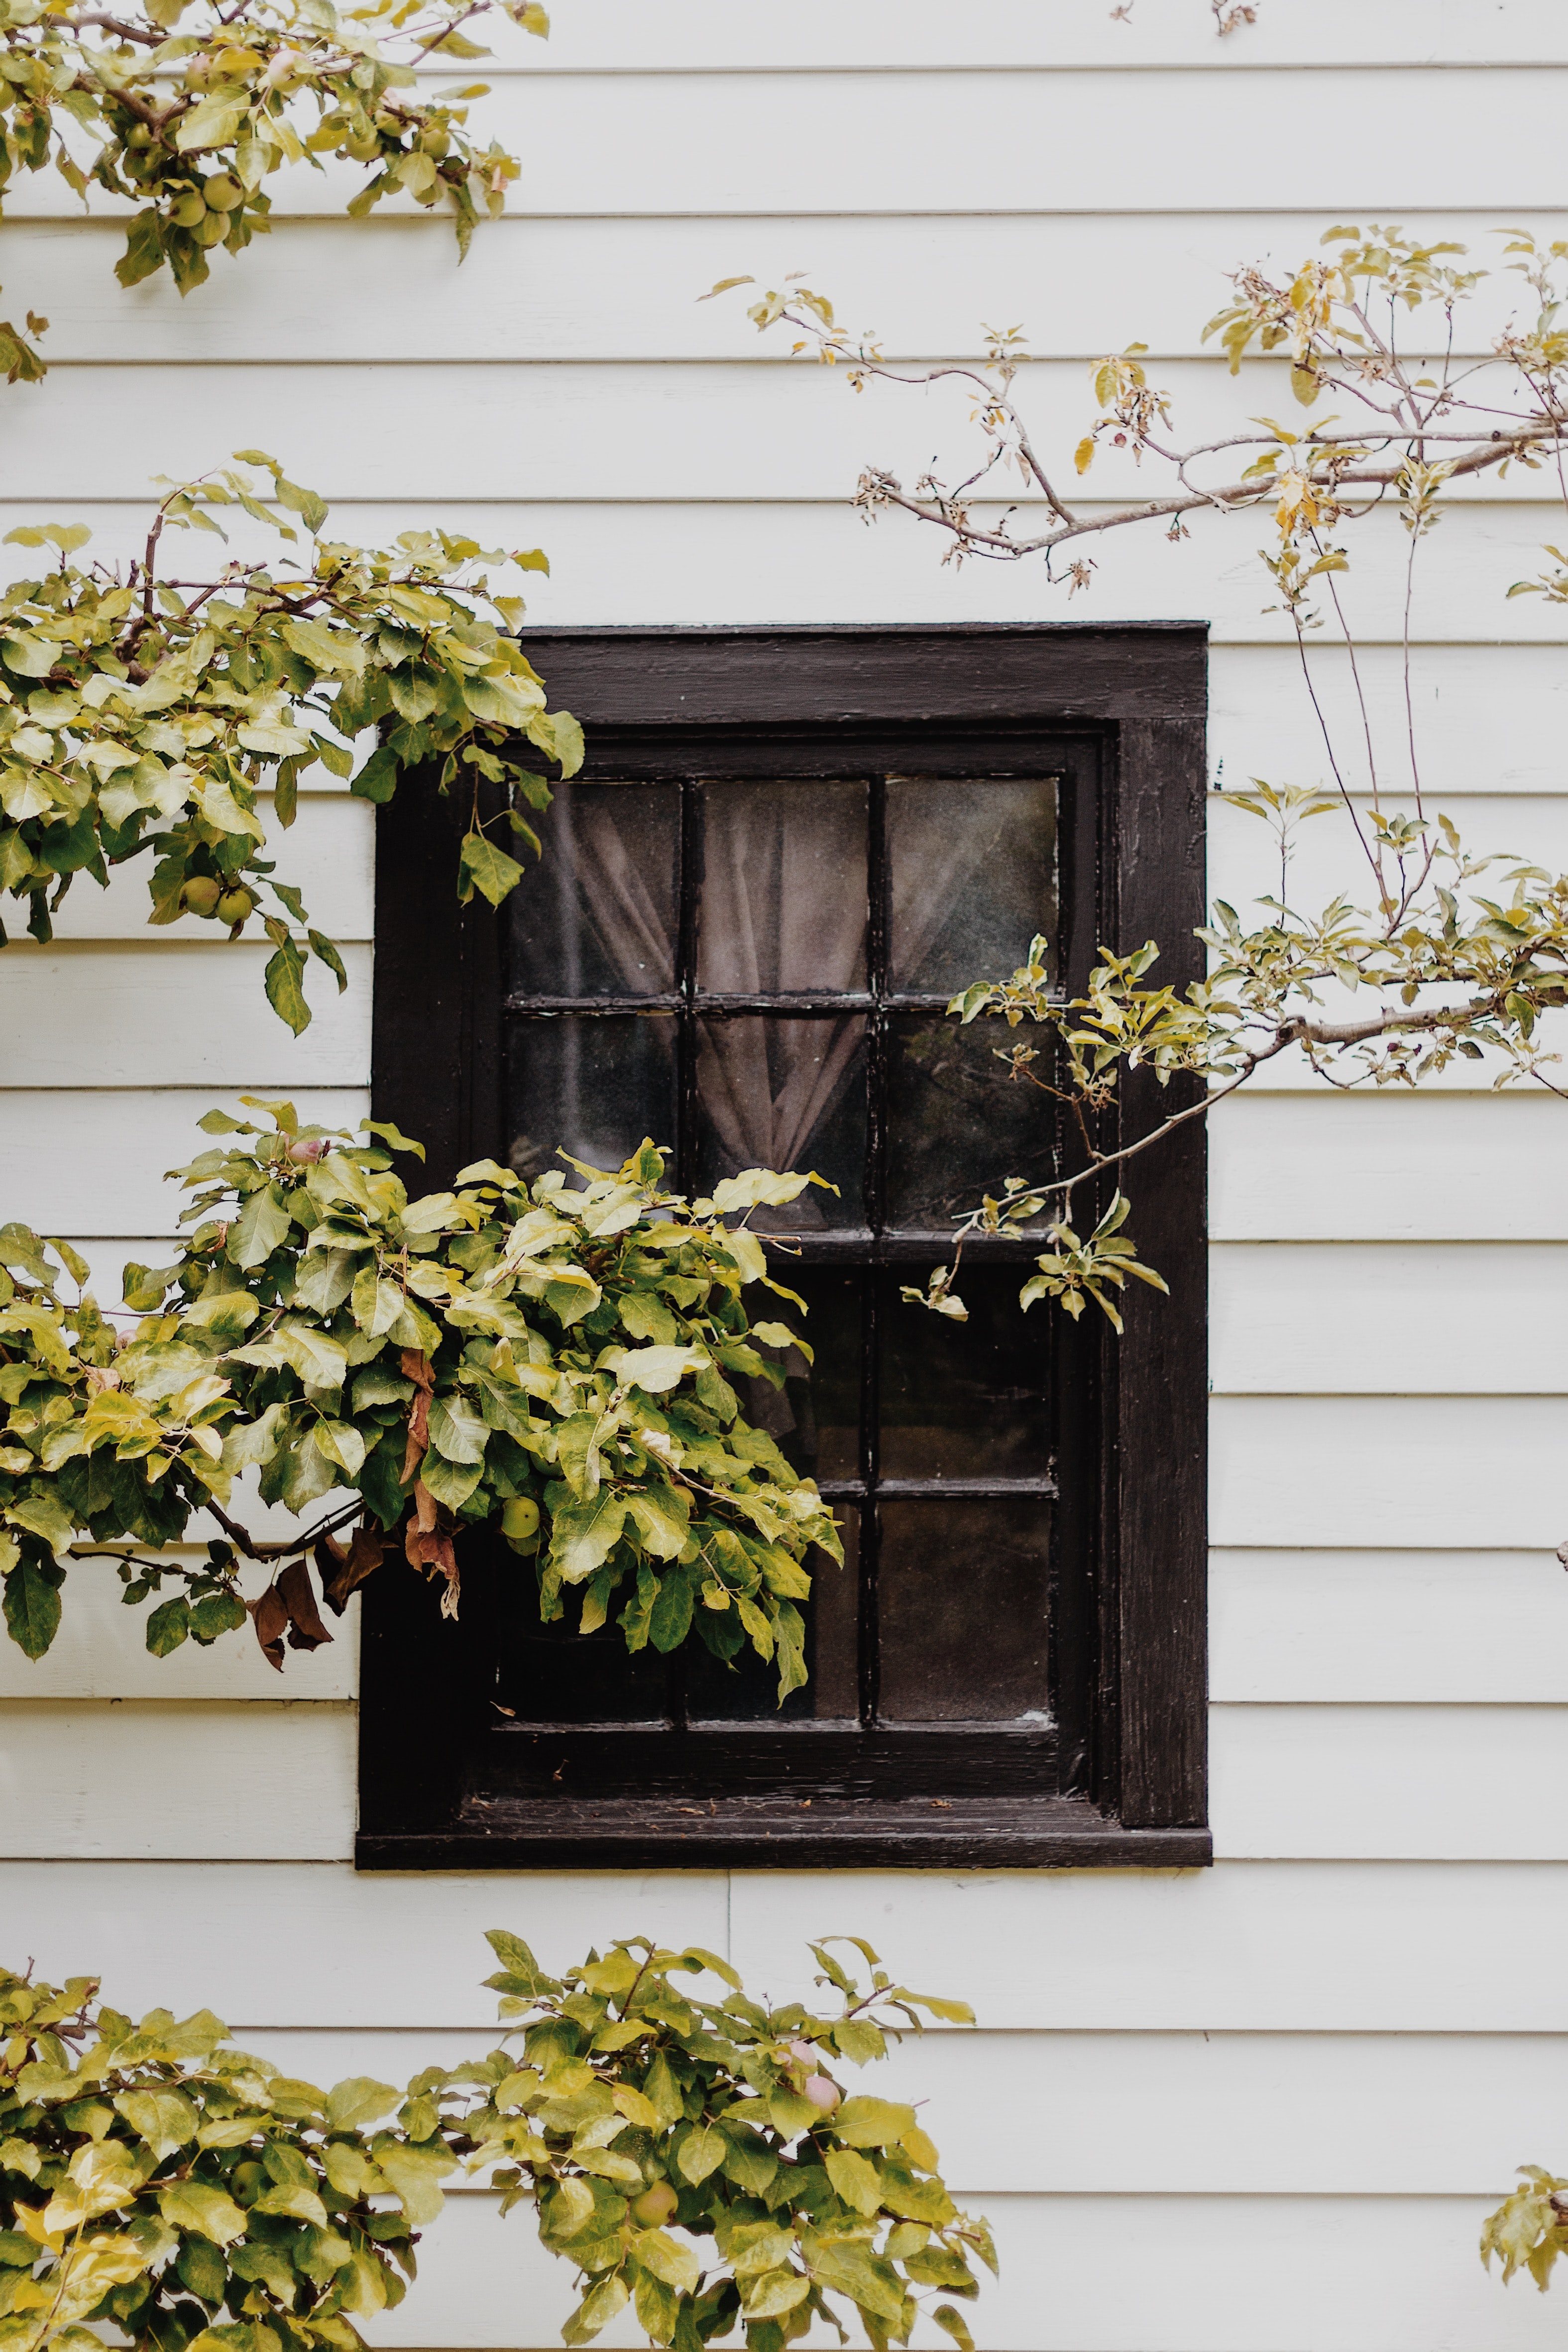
x=754 y=973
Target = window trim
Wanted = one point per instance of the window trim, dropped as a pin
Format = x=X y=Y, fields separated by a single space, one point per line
x=1133 y=1735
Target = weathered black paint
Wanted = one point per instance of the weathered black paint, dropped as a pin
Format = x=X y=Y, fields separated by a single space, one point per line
x=1122 y=1781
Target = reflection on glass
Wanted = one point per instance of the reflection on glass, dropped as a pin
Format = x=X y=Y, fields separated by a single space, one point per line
x=965 y=1399
x=590 y=1087
x=957 y=1124
x=783 y=904
x=973 y=877
x=598 y=919
x=786 y=1094
x=962 y=1602
x=814 y=1418
x=745 y=1688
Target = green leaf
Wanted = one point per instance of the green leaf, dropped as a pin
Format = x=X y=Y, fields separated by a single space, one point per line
x=703 y=2151
x=214 y=1614
x=357 y=2102
x=32 y=1607
x=487 y=868
x=671 y=1620
x=325 y=952
x=262 y=1227
x=283 y=980
x=144 y=253
x=872 y=2123
x=168 y=1626
x=192 y=2205
x=583 y=1535
x=391 y=1136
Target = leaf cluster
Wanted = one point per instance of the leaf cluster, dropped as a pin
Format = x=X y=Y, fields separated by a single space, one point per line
x=693 y=2155
x=1452 y=969
x=640 y=2116
x=142 y=716
x=554 y=1364
x=1530 y=2227
x=192 y=121
x=157 y=2181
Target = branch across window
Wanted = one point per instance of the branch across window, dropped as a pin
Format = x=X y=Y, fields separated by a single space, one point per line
x=741 y=941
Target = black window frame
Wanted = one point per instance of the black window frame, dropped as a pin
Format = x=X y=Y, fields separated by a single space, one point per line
x=1120 y=711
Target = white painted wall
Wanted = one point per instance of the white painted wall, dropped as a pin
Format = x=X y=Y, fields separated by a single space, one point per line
x=1259 y=2107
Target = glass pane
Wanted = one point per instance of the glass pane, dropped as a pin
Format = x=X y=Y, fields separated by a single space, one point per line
x=963 y=1604
x=957 y=1125
x=553 y=1673
x=814 y=1418
x=597 y=917
x=745 y=1690
x=965 y=1399
x=973 y=877
x=592 y=1087
x=786 y=1094
x=783 y=888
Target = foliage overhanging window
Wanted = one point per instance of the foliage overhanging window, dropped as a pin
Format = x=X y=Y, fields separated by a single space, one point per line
x=741 y=942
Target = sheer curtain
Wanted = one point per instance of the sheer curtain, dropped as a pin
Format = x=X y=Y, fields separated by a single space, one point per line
x=782 y=911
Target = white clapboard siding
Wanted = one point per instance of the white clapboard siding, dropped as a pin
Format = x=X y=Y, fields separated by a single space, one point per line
x=611 y=561
x=1387 y=1167
x=1266 y=2114
x=156 y=1778
x=328 y=852
x=390 y=289
x=1388 y=1782
x=1284 y=1625
x=1305 y=1947
x=1489 y=719
x=1088 y=2273
x=1419 y=1626
x=869 y=142
x=1255 y=2108
x=1423 y=1471
x=617 y=37
x=1328 y=858
x=100 y=1652
x=189 y=1013
x=1336 y=1782
x=1346 y=1318
x=791 y=431
x=90 y=1160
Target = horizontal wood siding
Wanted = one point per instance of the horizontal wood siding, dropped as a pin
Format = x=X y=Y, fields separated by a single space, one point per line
x=1260 y=2108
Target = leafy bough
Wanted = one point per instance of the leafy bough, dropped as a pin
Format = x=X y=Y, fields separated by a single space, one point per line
x=1441 y=969
x=193 y=123
x=156 y=2180
x=555 y=1365
x=145 y=716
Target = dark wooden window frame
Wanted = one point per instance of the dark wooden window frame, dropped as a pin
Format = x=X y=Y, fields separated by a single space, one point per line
x=1130 y=1756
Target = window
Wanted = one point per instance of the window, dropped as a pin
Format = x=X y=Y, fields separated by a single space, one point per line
x=787 y=850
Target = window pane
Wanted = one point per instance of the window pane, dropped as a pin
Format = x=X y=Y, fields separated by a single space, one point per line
x=965 y=1399
x=814 y=1418
x=961 y=1603
x=553 y=1673
x=592 y=1088
x=783 y=888
x=598 y=915
x=746 y=1690
x=786 y=1094
x=973 y=877
x=957 y=1125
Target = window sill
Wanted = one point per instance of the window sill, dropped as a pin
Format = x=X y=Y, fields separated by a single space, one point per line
x=765 y=1833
